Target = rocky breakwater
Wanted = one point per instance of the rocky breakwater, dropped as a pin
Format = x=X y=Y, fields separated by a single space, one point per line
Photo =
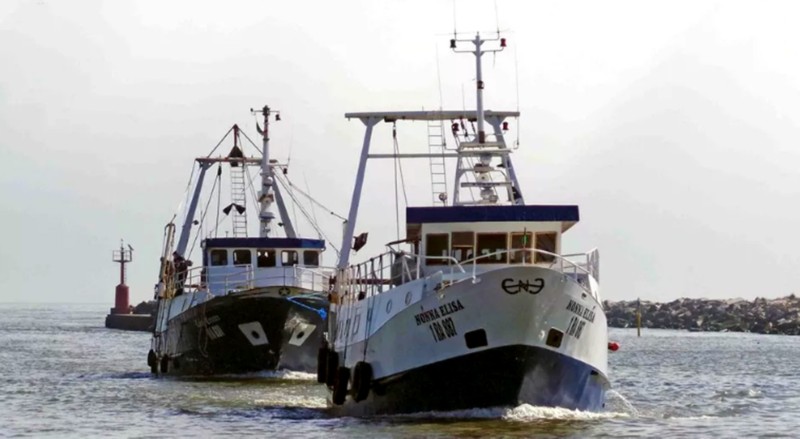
x=140 y=318
x=764 y=316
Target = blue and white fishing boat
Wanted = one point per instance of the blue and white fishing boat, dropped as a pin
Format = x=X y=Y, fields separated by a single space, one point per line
x=255 y=303
x=477 y=306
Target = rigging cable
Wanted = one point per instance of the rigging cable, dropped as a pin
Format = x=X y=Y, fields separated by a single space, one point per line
x=394 y=169
x=306 y=214
x=248 y=139
x=398 y=165
x=186 y=192
x=294 y=212
x=313 y=210
x=203 y=217
x=219 y=199
x=220 y=142
x=308 y=217
x=439 y=78
x=251 y=186
x=286 y=170
x=295 y=188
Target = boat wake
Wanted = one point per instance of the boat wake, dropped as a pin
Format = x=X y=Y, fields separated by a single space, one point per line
x=528 y=413
x=271 y=375
x=289 y=375
x=615 y=402
x=521 y=413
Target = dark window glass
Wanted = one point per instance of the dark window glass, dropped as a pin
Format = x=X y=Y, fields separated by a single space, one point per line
x=490 y=243
x=266 y=258
x=310 y=258
x=463 y=246
x=521 y=241
x=436 y=245
x=288 y=258
x=242 y=257
x=219 y=257
x=546 y=242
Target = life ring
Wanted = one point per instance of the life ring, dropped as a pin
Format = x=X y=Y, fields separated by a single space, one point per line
x=362 y=380
x=322 y=363
x=333 y=365
x=152 y=361
x=340 y=386
x=164 y=364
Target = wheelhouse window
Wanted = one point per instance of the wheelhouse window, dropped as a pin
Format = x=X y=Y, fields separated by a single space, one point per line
x=242 y=257
x=218 y=257
x=463 y=246
x=266 y=258
x=547 y=242
x=289 y=258
x=520 y=241
x=310 y=258
x=436 y=245
x=491 y=244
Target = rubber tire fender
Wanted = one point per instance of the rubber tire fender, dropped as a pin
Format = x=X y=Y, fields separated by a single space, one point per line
x=322 y=363
x=362 y=381
x=152 y=361
x=340 y=387
x=164 y=364
x=333 y=365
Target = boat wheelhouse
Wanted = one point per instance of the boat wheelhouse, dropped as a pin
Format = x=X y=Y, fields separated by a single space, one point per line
x=236 y=264
x=489 y=236
x=485 y=238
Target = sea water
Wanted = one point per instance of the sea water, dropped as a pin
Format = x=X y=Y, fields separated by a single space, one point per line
x=64 y=375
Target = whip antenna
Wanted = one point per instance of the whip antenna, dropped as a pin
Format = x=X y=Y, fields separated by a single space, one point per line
x=455 y=34
x=516 y=80
x=496 y=19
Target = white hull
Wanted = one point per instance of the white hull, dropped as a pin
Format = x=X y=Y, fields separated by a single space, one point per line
x=415 y=326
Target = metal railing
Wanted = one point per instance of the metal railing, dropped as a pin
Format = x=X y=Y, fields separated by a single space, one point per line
x=247 y=277
x=394 y=268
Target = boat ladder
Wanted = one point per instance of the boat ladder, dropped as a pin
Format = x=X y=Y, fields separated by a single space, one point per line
x=238 y=196
x=436 y=147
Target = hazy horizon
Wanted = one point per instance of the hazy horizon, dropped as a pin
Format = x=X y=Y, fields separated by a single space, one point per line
x=673 y=126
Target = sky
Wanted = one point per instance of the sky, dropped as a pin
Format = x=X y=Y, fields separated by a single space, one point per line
x=675 y=126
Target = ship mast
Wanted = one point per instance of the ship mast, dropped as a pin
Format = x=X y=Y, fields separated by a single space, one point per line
x=267 y=196
x=478 y=148
x=478 y=52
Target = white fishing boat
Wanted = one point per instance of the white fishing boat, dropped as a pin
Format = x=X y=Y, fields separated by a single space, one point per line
x=477 y=306
x=255 y=302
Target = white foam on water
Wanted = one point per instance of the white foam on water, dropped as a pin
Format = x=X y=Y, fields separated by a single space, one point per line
x=289 y=375
x=294 y=401
x=527 y=413
x=522 y=413
x=740 y=393
x=477 y=413
x=615 y=401
x=692 y=418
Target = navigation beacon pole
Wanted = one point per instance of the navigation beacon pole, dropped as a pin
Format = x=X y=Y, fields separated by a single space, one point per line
x=478 y=52
x=122 y=296
x=638 y=317
x=267 y=196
